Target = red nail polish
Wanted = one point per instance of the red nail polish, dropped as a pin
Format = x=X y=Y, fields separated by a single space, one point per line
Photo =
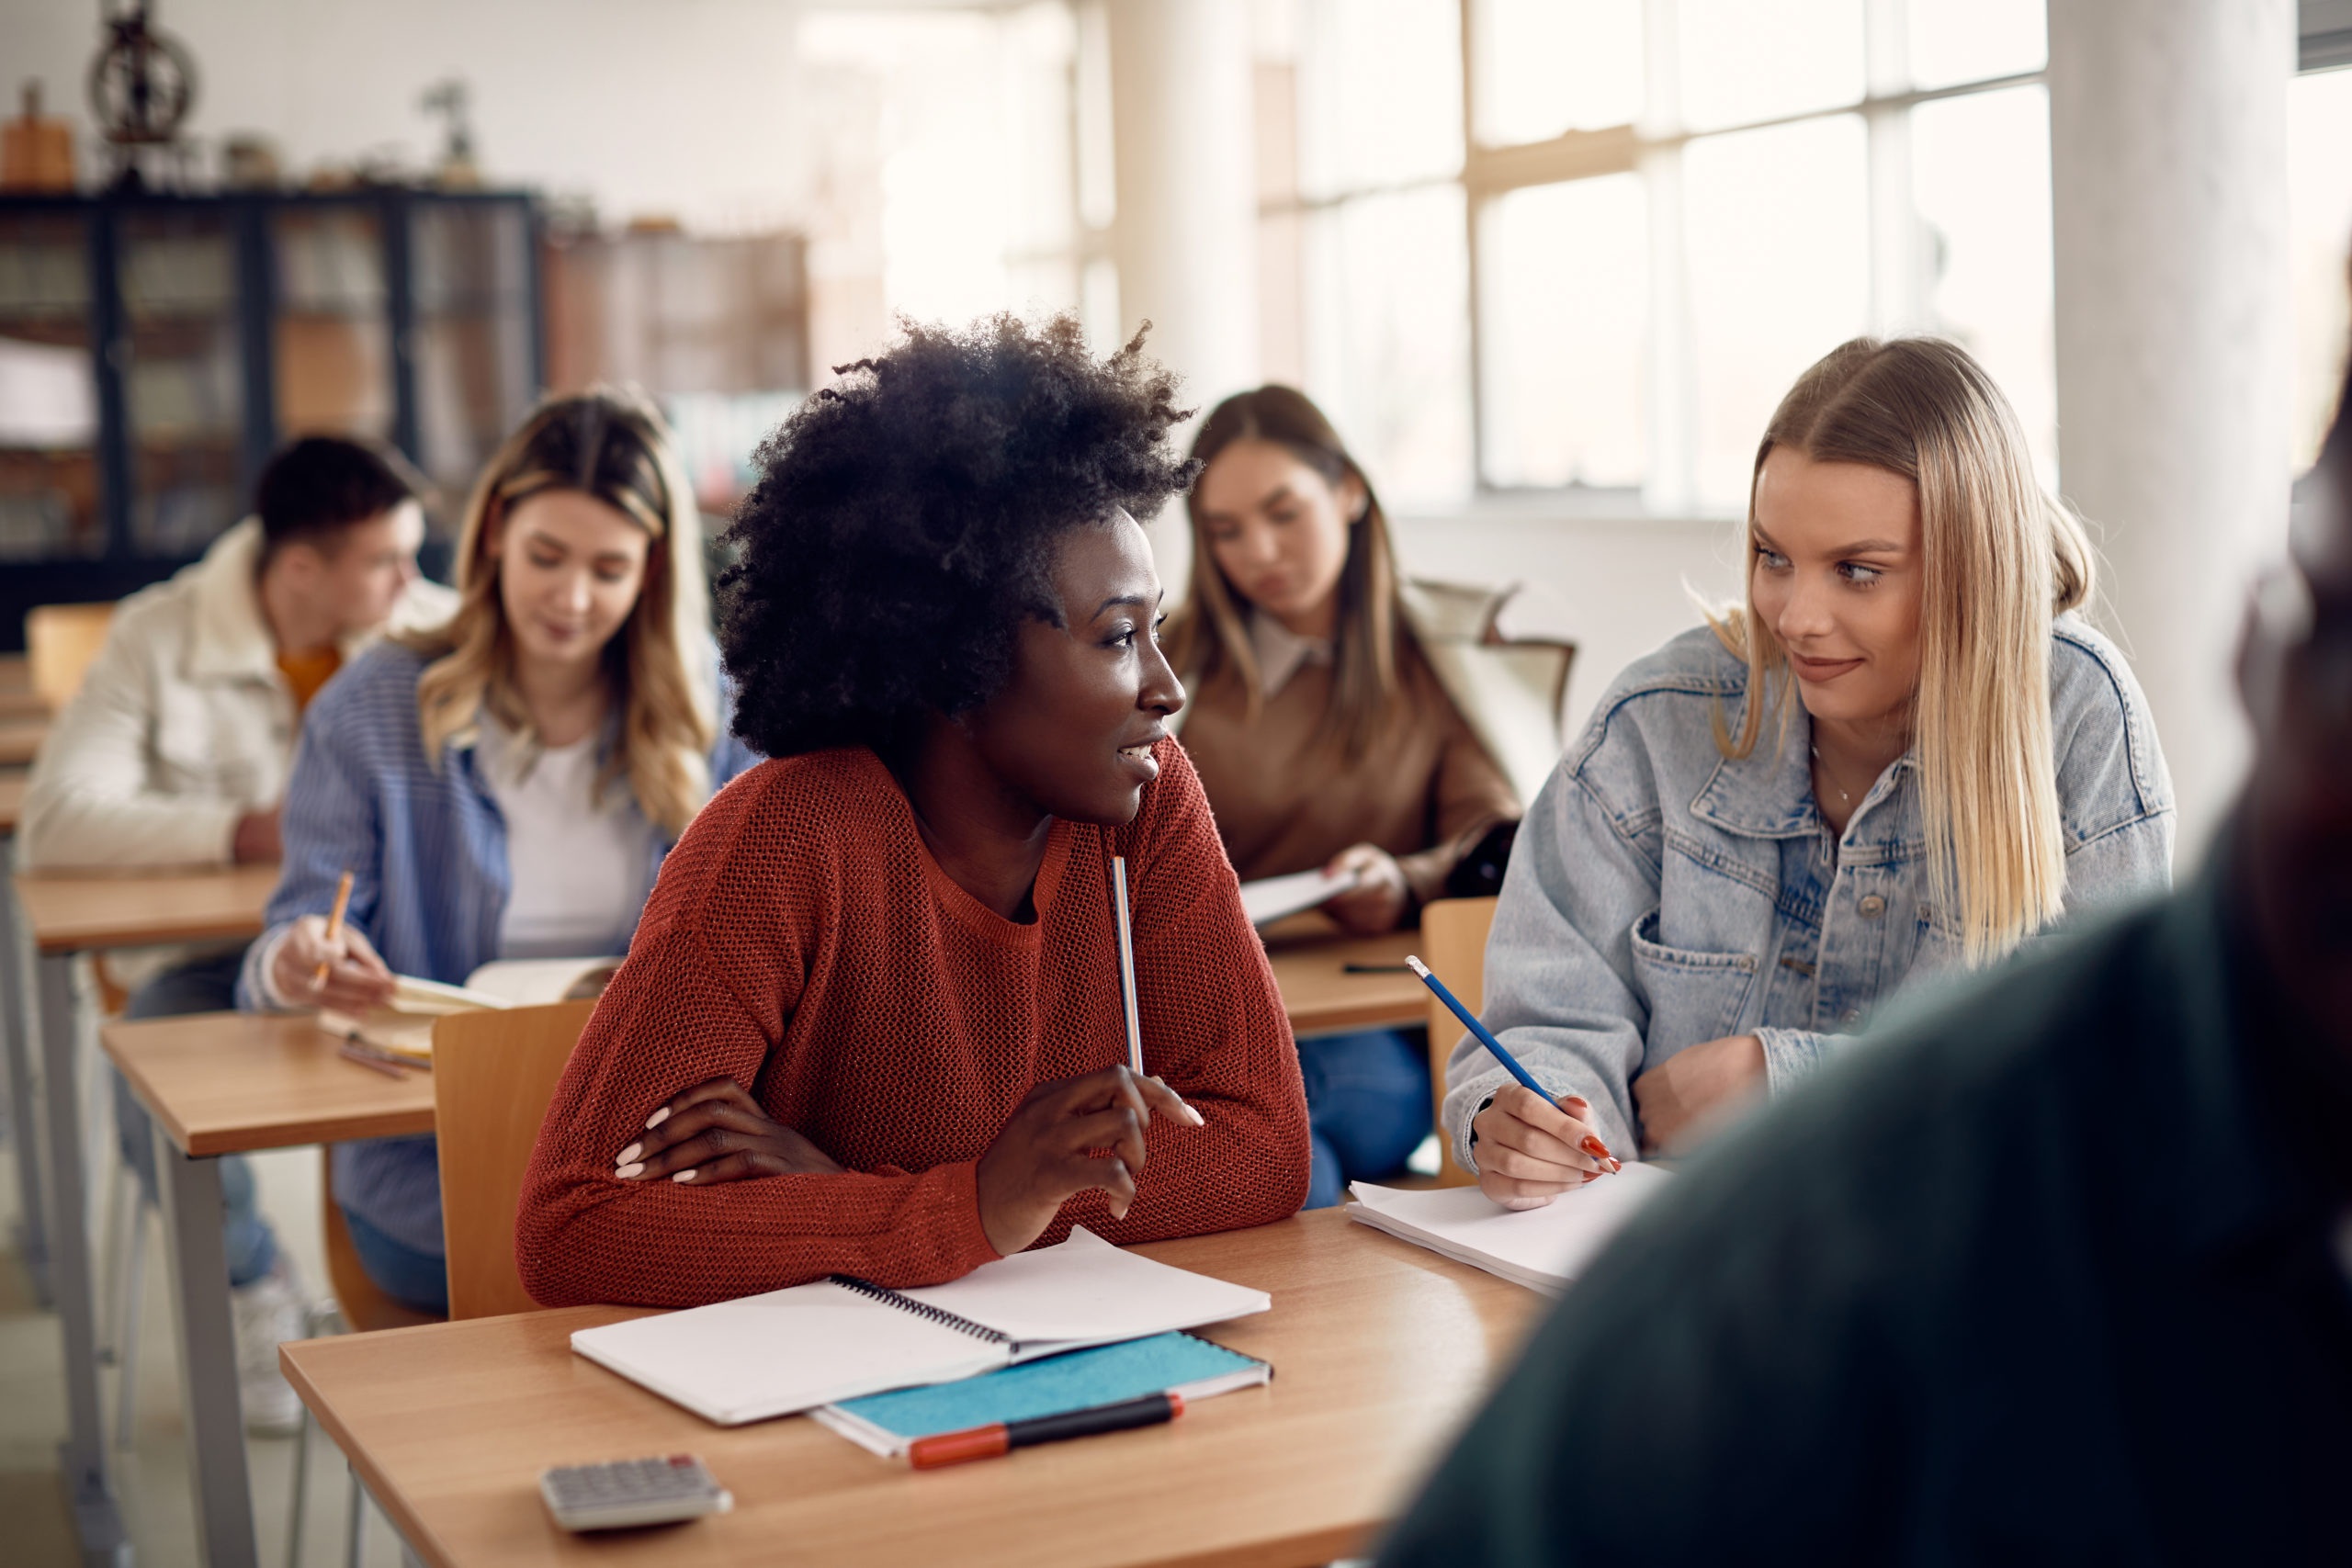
x=1595 y=1147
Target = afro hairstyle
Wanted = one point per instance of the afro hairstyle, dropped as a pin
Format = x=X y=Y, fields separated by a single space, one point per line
x=907 y=520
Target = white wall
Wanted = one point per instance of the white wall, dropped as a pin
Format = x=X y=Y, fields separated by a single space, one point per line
x=692 y=107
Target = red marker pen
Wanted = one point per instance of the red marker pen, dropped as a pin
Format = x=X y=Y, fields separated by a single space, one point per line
x=987 y=1442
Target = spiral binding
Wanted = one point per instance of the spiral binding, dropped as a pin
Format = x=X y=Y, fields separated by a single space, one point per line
x=940 y=1316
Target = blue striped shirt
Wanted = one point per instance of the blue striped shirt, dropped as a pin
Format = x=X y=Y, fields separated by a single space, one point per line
x=426 y=848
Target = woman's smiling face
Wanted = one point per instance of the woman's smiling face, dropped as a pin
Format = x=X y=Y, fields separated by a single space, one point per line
x=1073 y=727
x=1837 y=573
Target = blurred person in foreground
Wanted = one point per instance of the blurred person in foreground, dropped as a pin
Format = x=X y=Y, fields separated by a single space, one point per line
x=174 y=751
x=2053 y=1270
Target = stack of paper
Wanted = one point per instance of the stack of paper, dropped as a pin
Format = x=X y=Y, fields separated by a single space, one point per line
x=1541 y=1248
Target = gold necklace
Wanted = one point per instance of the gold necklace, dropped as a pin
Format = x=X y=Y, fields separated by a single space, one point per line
x=1843 y=798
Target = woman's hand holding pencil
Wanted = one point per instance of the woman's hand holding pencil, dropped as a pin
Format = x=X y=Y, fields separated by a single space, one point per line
x=1045 y=1156
x=1531 y=1148
x=327 y=962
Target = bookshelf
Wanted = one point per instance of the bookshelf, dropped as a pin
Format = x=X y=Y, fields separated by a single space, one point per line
x=154 y=349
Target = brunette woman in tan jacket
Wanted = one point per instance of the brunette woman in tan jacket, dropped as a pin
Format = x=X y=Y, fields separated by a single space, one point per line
x=1343 y=719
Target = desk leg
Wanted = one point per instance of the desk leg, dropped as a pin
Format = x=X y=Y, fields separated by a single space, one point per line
x=83 y=1459
x=216 y=1428
x=24 y=1130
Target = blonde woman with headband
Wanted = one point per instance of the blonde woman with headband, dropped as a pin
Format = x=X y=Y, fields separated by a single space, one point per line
x=507 y=784
x=1903 y=754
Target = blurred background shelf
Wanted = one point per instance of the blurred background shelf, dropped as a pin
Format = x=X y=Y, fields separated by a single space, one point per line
x=156 y=349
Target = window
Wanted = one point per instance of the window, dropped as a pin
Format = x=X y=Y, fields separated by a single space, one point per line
x=2319 y=214
x=1663 y=210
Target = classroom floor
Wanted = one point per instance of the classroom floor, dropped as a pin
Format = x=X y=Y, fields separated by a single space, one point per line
x=152 y=1477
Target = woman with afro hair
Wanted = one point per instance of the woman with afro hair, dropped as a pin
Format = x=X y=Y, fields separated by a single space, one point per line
x=875 y=1000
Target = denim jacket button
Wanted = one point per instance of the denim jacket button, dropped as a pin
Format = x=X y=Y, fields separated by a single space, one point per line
x=1872 y=907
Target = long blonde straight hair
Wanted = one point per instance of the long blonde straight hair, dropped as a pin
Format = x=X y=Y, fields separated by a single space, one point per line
x=2001 y=560
x=1209 y=635
x=661 y=665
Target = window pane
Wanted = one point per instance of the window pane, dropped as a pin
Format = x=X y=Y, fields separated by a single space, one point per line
x=1778 y=255
x=468 y=264
x=2319 y=224
x=1980 y=181
x=48 y=393
x=334 y=328
x=1546 y=66
x=1380 y=94
x=1969 y=40
x=1744 y=62
x=184 y=387
x=1388 y=355
x=1567 y=296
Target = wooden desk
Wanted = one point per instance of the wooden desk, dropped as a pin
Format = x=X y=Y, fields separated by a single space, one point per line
x=1321 y=997
x=21 y=702
x=20 y=740
x=231 y=1083
x=62 y=915
x=91 y=912
x=225 y=1083
x=1379 y=1349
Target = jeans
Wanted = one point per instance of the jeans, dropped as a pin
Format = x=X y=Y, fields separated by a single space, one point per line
x=1367 y=1105
x=208 y=985
x=418 y=1278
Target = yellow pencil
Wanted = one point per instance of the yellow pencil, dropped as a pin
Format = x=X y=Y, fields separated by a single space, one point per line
x=335 y=930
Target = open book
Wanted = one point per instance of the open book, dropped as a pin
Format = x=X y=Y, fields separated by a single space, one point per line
x=405 y=1028
x=839 y=1339
x=1541 y=1248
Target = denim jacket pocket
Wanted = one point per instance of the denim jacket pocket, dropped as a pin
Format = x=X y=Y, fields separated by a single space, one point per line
x=1693 y=997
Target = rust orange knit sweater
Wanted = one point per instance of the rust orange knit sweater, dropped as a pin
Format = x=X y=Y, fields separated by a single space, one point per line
x=802 y=941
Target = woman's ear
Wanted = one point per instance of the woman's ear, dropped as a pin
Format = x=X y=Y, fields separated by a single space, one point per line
x=1355 y=500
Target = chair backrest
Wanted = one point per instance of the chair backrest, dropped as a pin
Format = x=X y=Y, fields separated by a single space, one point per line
x=1454 y=944
x=493 y=1074
x=363 y=1302
x=60 y=642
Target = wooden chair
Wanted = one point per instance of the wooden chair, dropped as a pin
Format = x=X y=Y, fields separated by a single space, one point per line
x=60 y=642
x=364 y=1304
x=493 y=1074
x=1454 y=944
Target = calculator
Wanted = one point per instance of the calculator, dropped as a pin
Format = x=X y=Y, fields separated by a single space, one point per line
x=632 y=1492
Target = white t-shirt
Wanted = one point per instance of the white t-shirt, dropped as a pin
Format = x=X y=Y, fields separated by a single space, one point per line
x=578 y=865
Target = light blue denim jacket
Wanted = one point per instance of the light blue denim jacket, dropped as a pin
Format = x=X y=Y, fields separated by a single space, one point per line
x=1661 y=894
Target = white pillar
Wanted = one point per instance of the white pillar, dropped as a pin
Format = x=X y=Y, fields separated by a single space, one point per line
x=1185 y=238
x=2168 y=153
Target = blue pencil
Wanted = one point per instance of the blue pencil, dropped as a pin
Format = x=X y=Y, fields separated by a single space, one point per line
x=1485 y=1037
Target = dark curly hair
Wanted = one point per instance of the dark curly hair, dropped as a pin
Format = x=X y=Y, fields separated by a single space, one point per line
x=906 y=521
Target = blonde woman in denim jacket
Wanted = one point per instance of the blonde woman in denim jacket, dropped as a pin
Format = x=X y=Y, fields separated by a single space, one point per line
x=1902 y=754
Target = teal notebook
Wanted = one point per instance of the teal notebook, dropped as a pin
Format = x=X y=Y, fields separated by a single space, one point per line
x=1080 y=1380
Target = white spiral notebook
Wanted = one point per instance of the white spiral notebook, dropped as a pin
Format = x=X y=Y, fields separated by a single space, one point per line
x=1544 y=1249
x=839 y=1339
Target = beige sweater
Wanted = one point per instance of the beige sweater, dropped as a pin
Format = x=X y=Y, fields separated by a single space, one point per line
x=1286 y=800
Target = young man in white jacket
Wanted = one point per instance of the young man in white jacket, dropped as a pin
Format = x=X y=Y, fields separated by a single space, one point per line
x=175 y=749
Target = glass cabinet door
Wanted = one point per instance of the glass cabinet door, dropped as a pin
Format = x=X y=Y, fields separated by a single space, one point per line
x=332 y=337
x=49 y=397
x=184 y=380
x=469 y=265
